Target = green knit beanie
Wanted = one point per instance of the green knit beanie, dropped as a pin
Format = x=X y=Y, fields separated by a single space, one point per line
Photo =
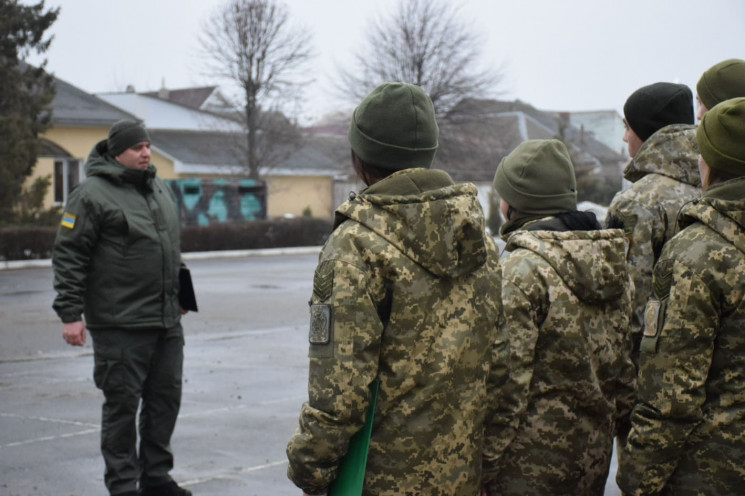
x=124 y=134
x=721 y=137
x=538 y=178
x=394 y=128
x=721 y=82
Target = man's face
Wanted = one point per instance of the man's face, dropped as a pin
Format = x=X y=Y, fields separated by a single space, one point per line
x=504 y=207
x=136 y=157
x=704 y=171
x=701 y=108
x=632 y=140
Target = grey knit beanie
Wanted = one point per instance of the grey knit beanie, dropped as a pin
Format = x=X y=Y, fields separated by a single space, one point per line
x=124 y=134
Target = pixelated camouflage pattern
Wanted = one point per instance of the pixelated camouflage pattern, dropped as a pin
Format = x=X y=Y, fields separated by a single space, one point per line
x=665 y=176
x=688 y=428
x=414 y=301
x=567 y=303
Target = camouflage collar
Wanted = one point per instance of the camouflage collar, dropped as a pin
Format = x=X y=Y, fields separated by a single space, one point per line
x=672 y=151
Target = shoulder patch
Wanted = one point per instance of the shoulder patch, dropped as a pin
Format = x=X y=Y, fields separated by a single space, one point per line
x=663 y=279
x=68 y=220
x=320 y=324
x=323 y=284
x=651 y=317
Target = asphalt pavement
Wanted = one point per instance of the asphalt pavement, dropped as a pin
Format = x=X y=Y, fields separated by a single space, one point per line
x=245 y=377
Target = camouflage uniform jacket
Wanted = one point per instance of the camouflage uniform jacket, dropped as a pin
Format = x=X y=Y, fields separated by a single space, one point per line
x=688 y=427
x=567 y=303
x=406 y=290
x=665 y=176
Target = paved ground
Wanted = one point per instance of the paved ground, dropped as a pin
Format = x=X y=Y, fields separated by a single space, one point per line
x=245 y=379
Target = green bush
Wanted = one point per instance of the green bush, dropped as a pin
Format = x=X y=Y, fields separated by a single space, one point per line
x=272 y=233
x=25 y=243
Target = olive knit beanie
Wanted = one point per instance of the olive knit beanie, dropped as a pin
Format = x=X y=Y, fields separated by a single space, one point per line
x=394 y=128
x=721 y=82
x=652 y=107
x=124 y=134
x=538 y=178
x=721 y=137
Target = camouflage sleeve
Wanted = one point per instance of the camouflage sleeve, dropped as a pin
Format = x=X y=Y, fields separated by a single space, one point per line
x=76 y=238
x=625 y=381
x=676 y=353
x=645 y=231
x=523 y=297
x=344 y=337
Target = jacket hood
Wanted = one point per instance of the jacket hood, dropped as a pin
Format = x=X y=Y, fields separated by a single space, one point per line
x=436 y=223
x=101 y=163
x=672 y=151
x=591 y=263
x=722 y=209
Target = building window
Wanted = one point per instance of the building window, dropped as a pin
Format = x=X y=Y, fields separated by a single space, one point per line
x=67 y=174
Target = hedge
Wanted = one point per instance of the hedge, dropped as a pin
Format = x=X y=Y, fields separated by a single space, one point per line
x=25 y=243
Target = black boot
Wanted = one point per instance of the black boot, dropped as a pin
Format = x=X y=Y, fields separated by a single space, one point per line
x=168 y=489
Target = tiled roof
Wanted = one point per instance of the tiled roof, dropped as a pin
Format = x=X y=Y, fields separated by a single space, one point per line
x=205 y=148
x=190 y=97
x=74 y=107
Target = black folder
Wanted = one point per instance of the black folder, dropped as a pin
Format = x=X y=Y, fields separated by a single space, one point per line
x=186 y=297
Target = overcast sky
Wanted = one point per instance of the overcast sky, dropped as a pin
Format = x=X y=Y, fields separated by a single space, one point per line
x=555 y=54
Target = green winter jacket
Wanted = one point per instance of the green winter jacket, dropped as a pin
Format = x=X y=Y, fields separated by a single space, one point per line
x=566 y=297
x=665 y=176
x=688 y=427
x=406 y=290
x=116 y=256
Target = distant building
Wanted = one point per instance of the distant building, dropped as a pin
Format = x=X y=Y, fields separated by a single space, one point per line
x=606 y=126
x=208 y=145
x=190 y=142
x=477 y=134
x=79 y=121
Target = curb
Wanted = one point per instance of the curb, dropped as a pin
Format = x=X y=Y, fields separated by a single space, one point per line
x=195 y=255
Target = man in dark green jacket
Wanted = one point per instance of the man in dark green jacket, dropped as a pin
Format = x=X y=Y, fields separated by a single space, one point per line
x=116 y=261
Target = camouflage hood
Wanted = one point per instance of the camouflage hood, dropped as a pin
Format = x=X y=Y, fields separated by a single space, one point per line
x=591 y=263
x=672 y=151
x=434 y=222
x=722 y=209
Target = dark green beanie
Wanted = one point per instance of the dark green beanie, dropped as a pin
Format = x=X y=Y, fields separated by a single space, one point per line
x=394 y=128
x=721 y=137
x=721 y=82
x=652 y=107
x=538 y=178
x=124 y=134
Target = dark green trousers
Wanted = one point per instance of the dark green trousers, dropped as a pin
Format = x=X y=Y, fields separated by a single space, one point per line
x=134 y=367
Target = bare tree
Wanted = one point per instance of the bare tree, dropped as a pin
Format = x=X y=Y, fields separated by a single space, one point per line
x=427 y=43
x=252 y=44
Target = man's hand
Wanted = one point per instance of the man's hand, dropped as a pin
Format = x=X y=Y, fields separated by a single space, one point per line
x=74 y=333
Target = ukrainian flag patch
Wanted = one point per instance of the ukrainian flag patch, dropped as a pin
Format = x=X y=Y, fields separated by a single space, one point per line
x=68 y=220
